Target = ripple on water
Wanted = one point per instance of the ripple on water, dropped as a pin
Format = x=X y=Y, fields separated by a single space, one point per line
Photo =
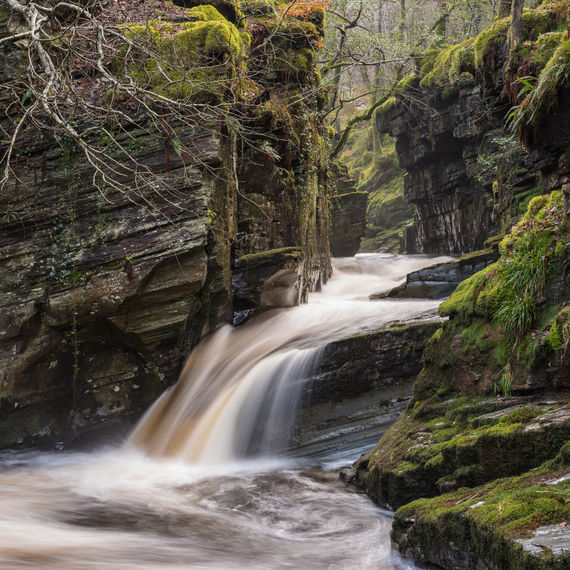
x=124 y=510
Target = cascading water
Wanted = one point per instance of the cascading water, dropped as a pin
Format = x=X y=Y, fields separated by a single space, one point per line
x=190 y=500
x=238 y=392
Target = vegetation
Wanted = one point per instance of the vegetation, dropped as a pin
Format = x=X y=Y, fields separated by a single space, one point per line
x=482 y=522
x=512 y=291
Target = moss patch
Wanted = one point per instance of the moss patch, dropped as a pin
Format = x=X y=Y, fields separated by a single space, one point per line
x=481 y=524
x=187 y=56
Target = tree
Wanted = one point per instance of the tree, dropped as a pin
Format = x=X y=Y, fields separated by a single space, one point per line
x=516 y=35
x=89 y=73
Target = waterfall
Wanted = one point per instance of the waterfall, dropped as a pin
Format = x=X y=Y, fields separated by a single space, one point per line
x=179 y=495
x=239 y=391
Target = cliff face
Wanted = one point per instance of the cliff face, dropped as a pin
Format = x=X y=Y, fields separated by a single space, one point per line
x=478 y=463
x=467 y=177
x=347 y=213
x=105 y=291
x=102 y=295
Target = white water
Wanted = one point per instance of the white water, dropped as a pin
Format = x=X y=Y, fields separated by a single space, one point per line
x=122 y=509
x=238 y=391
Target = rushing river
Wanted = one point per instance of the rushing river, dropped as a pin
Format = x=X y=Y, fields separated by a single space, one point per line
x=199 y=484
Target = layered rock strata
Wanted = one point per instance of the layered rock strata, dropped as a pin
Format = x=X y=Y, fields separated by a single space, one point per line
x=359 y=388
x=105 y=291
x=347 y=213
x=466 y=176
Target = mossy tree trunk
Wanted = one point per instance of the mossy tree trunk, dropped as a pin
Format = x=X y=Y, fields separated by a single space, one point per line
x=504 y=8
x=516 y=23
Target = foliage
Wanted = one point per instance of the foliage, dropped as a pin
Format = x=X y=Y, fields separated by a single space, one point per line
x=541 y=95
x=449 y=64
x=510 y=291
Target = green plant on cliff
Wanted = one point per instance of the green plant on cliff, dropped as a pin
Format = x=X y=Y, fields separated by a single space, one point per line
x=541 y=95
x=511 y=291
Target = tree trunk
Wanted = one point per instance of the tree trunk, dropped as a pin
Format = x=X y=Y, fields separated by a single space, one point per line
x=516 y=23
x=440 y=29
x=402 y=23
x=504 y=8
x=376 y=80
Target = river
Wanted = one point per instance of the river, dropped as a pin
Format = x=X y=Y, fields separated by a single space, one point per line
x=208 y=479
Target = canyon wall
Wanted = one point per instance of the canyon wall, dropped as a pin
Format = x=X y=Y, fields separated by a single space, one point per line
x=105 y=290
x=466 y=176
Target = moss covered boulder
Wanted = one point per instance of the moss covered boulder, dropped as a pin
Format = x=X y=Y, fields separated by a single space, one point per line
x=513 y=522
x=492 y=401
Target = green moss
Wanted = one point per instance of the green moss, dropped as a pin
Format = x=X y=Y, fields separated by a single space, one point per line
x=405 y=467
x=544 y=47
x=380 y=111
x=228 y=9
x=405 y=84
x=464 y=300
x=297 y=65
x=449 y=64
x=489 y=41
x=184 y=52
x=481 y=523
x=293 y=34
x=509 y=292
x=558 y=337
x=478 y=334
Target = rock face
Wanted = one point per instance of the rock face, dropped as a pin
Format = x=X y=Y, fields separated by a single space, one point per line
x=467 y=178
x=347 y=213
x=348 y=220
x=359 y=388
x=440 y=280
x=102 y=298
x=105 y=292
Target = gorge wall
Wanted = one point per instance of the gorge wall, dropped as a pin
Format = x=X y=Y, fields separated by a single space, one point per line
x=105 y=290
x=478 y=464
x=466 y=176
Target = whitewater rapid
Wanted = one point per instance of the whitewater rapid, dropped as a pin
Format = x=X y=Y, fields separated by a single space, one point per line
x=181 y=494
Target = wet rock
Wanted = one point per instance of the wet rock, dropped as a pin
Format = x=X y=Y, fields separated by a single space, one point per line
x=347 y=474
x=554 y=538
x=355 y=365
x=359 y=388
x=466 y=529
x=97 y=310
x=267 y=279
x=440 y=280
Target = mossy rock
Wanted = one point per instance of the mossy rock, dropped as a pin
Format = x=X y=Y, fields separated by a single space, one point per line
x=293 y=34
x=440 y=446
x=297 y=65
x=510 y=292
x=230 y=10
x=190 y=54
x=449 y=64
x=491 y=526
